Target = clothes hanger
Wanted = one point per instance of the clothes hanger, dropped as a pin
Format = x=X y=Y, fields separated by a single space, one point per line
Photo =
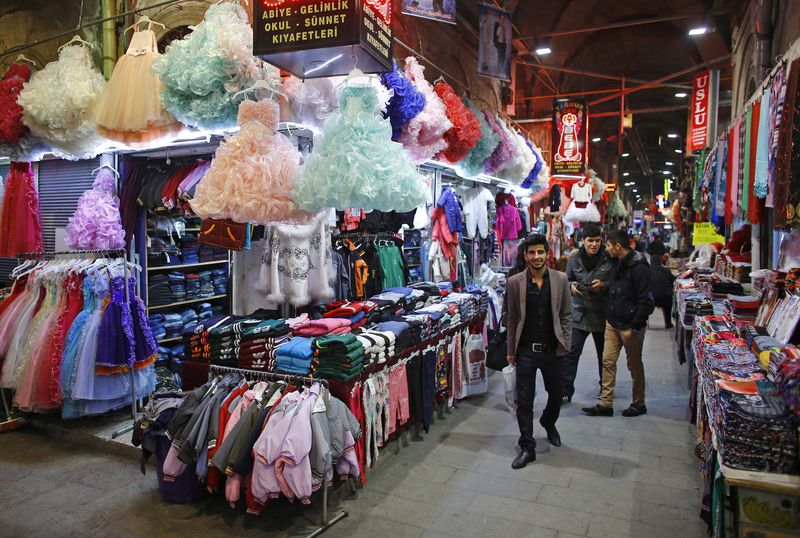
x=22 y=58
x=105 y=166
x=76 y=39
x=143 y=18
x=260 y=85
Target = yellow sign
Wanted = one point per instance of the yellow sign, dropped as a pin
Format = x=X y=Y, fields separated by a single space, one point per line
x=705 y=233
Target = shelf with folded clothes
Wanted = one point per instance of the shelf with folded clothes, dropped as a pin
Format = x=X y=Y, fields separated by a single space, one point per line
x=190 y=301
x=186 y=265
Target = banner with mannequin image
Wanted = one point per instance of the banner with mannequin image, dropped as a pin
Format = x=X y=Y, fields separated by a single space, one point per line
x=437 y=10
x=494 y=47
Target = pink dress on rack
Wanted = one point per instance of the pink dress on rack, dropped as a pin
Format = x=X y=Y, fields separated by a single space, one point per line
x=20 y=227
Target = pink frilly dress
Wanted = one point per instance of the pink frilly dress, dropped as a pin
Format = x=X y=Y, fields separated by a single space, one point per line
x=96 y=223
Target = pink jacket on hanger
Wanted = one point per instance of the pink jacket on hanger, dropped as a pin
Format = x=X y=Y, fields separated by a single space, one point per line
x=507 y=224
x=448 y=241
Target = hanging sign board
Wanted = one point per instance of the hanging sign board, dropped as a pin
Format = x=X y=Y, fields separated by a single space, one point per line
x=316 y=38
x=705 y=233
x=569 y=138
x=494 y=45
x=611 y=187
x=437 y=10
x=703 y=110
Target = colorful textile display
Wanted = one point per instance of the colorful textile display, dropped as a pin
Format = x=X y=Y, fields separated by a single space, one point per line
x=202 y=73
x=523 y=162
x=20 y=228
x=406 y=102
x=59 y=101
x=355 y=163
x=252 y=176
x=96 y=223
x=505 y=151
x=130 y=111
x=423 y=136
x=473 y=163
x=466 y=130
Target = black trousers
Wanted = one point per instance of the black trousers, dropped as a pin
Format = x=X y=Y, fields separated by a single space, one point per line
x=550 y=366
x=571 y=359
x=665 y=304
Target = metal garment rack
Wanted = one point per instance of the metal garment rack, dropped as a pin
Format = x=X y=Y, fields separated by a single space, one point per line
x=214 y=369
x=96 y=253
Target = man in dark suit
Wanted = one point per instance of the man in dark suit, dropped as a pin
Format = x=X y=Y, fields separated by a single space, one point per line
x=539 y=331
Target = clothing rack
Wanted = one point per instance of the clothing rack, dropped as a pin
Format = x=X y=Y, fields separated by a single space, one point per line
x=214 y=369
x=98 y=253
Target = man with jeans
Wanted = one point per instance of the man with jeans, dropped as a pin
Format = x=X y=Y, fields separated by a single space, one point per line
x=539 y=331
x=587 y=271
x=630 y=303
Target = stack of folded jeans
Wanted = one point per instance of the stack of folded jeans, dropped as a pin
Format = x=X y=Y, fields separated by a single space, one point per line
x=159 y=291
x=189 y=316
x=159 y=253
x=192 y=285
x=337 y=357
x=204 y=311
x=206 y=284
x=173 y=325
x=177 y=285
x=156 y=322
x=219 y=278
x=190 y=249
x=206 y=253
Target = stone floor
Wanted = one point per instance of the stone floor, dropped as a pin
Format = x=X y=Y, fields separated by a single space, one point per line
x=613 y=477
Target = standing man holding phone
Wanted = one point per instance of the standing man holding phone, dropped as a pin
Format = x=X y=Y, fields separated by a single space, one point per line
x=539 y=331
x=588 y=272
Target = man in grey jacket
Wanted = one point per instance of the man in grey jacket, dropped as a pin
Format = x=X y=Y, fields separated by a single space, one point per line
x=587 y=272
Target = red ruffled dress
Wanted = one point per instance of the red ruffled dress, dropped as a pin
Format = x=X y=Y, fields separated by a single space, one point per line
x=11 y=126
x=20 y=227
x=466 y=130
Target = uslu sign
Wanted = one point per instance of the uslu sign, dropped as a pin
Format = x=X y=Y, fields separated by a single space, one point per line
x=313 y=38
x=569 y=138
x=703 y=111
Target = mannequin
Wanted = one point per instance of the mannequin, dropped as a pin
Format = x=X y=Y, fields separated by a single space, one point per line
x=582 y=209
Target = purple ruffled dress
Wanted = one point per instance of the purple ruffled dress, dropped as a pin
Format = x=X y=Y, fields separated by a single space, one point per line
x=96 y=223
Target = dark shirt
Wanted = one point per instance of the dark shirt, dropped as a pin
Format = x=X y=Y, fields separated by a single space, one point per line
x=538 y=327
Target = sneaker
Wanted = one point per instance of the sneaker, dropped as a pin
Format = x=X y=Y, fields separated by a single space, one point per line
x=635 y=411
x=598 y=411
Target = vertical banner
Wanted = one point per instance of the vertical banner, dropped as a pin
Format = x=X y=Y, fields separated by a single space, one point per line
x=494 y=48
x=569 y=138
x=703 y=111
x=437 y=10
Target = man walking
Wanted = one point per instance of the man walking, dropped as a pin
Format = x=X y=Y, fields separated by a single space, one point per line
x=538 y=338
x=588 y=271
x=630 y=303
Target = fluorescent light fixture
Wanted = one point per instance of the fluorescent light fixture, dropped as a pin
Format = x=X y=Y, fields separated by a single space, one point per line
x=543 y=51
x=699 y=30
x=625 y=174
x=626 y=154
x=672 y=135
x=323 y=65
x=680 y=94
x=666 y=172
x=596 y=139
x=678 y=150
x=669 y=163
x=634 y=190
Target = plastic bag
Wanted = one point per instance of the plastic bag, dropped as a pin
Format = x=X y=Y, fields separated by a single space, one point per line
x=510 y=380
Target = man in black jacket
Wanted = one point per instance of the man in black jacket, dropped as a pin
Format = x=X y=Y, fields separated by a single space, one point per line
x=630 y=303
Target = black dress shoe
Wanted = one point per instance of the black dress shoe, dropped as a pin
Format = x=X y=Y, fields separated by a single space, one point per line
x=526 y=456
x=552 y=435
x=635 y=411
x=598 y=411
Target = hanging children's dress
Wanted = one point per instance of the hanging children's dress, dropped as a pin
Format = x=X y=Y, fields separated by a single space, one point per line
x=423 y=136
x=130 y=110
x=582 y=208
x=20 y=228
x=466 y=129
x=59 y=101
x=253 y=174
x=96 y=223
x=356 y=164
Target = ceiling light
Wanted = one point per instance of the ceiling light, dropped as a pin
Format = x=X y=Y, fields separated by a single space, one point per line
x=678 y=151
x=634 y=190
x=669 y=163
x=699 y=30
x=543 y=51
x=666 y=172
x=680 y=94
x=596 y=139
x=672 y=135
x=626 y=154
x=625 y=174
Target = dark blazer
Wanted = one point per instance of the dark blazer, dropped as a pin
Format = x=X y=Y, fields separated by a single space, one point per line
x=560 y=301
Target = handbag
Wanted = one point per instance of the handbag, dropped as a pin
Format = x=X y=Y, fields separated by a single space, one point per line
x=498 y=351
x=224 y=234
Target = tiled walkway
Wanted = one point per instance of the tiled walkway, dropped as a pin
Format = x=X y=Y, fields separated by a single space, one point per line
x=613 y=477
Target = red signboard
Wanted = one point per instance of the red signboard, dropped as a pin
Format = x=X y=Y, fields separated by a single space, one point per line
x=570 y=129
x=699 y=113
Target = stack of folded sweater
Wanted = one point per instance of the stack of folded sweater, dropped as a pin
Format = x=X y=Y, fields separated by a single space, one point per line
x=206 y=284
x=204 y=311
x=378 y=346
x=177 y=285
x=742 y=309
x=158 y=290
x=338 y=357
x=242 y=338
x=294 y=357
x=219 y=279
x=196 y=337
x=358 y=313
x=192 y=285
x=160 y=253
x=190 y=249
x=320 y=327
x=403 y=335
